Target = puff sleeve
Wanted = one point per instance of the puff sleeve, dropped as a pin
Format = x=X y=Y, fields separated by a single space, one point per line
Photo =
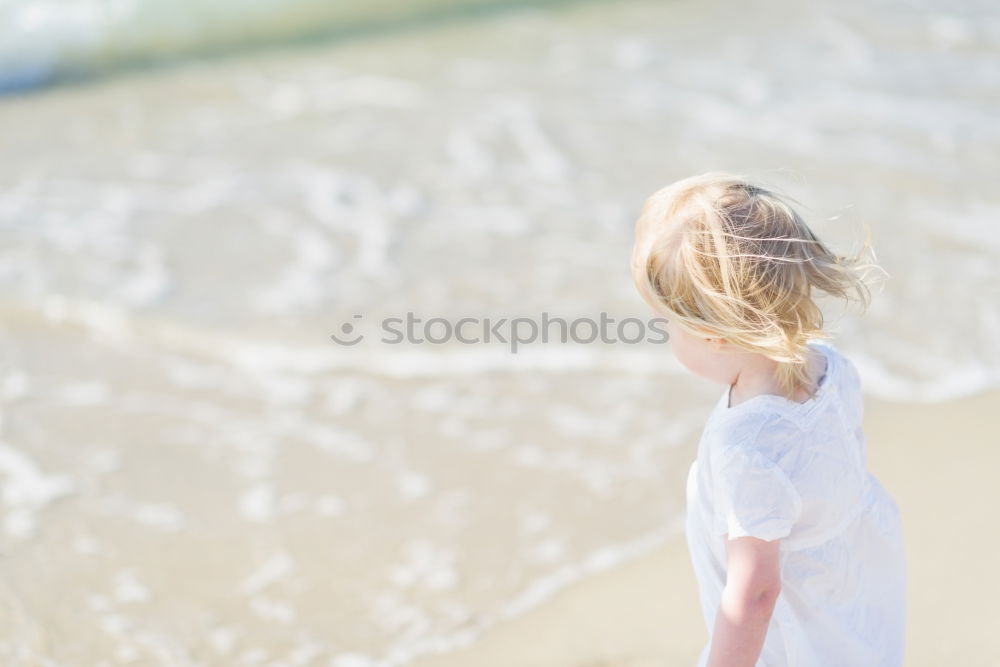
x=753 y=496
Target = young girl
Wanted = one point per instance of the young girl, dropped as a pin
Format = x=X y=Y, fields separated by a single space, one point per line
x=796 y=547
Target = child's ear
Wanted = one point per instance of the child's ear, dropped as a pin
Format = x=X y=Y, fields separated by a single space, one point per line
x=709 y=336
x=717 y=343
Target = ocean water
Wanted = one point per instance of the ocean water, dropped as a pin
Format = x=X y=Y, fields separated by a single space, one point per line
x=45 y=41
x=194 y=473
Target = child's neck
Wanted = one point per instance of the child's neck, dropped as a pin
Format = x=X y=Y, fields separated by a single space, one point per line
x=759 y=376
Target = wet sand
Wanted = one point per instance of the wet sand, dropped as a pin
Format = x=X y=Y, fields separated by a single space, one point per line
x=938 y=461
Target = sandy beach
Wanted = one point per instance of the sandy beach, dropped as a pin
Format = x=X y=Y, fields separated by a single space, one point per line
x=938 y=461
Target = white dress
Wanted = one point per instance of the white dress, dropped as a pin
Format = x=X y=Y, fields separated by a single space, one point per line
x=773 y=468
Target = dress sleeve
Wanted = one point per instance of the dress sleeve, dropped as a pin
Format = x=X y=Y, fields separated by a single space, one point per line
x=753 y=496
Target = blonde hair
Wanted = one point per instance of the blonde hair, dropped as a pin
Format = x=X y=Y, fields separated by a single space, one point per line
x=720 y=255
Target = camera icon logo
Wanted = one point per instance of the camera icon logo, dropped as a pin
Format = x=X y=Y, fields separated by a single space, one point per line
x=347 y=330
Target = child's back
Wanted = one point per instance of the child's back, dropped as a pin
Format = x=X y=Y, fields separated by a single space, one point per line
x=772 y=468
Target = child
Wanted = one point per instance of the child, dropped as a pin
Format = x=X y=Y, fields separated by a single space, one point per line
x=797 y=549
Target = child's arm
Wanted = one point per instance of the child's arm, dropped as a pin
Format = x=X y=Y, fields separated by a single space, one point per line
x=753 y=582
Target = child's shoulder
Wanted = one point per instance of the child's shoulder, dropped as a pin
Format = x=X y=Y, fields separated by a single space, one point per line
x=754 y=433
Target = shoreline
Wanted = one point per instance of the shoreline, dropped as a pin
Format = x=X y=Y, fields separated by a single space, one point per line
x=646 y=613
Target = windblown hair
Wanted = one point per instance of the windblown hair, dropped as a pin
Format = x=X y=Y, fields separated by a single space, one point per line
x=721 y=256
